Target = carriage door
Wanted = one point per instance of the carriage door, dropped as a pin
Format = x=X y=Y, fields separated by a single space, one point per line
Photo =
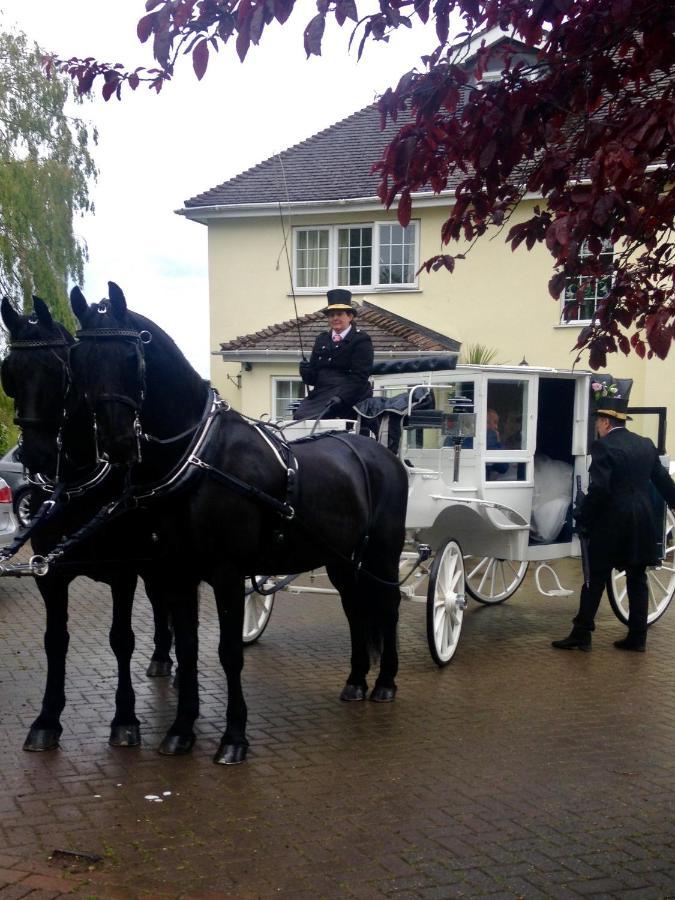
x=505 y=435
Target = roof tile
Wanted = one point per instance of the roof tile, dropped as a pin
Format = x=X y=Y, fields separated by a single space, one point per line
x=388 y=332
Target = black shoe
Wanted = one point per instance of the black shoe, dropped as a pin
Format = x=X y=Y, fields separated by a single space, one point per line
x=636 y=644
x=577 y=640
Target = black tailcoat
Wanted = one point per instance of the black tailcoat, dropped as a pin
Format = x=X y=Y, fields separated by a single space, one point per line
x=617 y=512
x=337 y=370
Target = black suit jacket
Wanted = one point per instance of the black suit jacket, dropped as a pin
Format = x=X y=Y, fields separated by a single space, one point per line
x=337 y=370
x=618 y=512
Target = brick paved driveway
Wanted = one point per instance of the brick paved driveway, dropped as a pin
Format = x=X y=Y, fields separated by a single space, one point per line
x=517 y=771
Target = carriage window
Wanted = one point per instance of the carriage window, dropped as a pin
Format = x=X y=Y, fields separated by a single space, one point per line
x=285 y=392
x=506 y=418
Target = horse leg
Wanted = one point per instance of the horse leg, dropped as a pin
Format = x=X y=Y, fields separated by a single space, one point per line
x=385 y=601
x=344 y=580
x=184 y=607
x=46 y=730
x=125 y=727
x=229 y=592
x=160 y=663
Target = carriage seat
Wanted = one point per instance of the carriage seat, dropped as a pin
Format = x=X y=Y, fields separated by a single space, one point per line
x=384 y=417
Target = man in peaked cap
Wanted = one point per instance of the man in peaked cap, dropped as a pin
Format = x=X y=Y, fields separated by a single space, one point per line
x=339 y=366
x=617 y=517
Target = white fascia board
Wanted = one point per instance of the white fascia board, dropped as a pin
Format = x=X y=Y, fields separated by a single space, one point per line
x=207 y=214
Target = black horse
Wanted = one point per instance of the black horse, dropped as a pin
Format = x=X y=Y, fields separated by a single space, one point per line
x=228 y=500
x=58 y=443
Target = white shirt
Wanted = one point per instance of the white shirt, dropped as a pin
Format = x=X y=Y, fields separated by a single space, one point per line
x=342 y=334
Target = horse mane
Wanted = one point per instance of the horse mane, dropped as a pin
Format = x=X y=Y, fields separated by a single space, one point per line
x=165 y=343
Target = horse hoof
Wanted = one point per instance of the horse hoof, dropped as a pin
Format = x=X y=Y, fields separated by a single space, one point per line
x=159 y=668
x=381 y=694
x=125 y=736
x=176 y=745
x=40 y=739
x=230 y=754
x=353 y=692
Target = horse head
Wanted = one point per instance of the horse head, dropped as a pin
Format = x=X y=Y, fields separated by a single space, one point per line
x=137 y=382
x=108 y=365
x=35 y=375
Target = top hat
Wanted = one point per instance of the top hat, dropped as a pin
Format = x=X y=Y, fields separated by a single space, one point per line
x=613 y=408
x=339 y=299
x=611 y=397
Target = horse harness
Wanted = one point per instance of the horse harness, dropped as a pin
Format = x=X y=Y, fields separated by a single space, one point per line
x=192 y=461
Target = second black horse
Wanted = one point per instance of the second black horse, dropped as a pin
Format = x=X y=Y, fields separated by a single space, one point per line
x=228 y=500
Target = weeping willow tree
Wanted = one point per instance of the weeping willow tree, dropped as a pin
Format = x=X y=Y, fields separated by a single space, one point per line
x=45 y=171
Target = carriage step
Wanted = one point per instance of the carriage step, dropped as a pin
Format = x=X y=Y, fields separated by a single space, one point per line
x=558 y=590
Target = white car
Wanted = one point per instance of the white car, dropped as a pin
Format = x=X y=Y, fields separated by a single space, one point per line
x=8 y=524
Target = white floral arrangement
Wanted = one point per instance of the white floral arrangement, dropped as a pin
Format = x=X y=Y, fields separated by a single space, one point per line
x=602 y=391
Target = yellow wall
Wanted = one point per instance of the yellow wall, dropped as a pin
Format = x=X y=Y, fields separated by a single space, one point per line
x=495 y=297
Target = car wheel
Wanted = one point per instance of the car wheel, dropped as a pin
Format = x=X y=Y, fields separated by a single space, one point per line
x=22 y=507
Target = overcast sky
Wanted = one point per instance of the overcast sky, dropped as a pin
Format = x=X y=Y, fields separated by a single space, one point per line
x=156 y=151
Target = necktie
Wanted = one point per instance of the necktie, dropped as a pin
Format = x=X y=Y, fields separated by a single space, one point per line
x=336 y=338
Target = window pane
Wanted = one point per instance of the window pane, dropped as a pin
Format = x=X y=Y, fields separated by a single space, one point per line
x=507 y=410
x=311 y=257
x=355 y=247
x=583 y=292
x=397 y=254
x=285 y=391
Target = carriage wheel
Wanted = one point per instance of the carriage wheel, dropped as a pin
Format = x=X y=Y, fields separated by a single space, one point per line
x=257 y=612
x=493 y=580
x=446 y=602
x=660 y=581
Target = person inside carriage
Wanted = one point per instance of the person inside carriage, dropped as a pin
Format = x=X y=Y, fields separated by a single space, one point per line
x=339 y=366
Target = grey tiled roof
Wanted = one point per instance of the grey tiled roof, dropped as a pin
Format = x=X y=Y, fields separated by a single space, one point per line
x=334 y=164
x=388 y=332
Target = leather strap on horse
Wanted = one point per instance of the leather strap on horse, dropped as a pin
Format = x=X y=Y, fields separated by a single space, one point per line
x=44 y=513
x=244 y=489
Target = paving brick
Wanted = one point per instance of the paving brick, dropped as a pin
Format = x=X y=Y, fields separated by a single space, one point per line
x=515 y=771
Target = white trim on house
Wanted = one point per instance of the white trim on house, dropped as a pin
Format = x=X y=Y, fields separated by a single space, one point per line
x=206 y=214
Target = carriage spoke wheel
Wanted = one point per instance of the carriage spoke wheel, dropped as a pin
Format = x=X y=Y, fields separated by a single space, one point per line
x=660 y=581
x=257 y=612
x=446 y=602
x=493 y=580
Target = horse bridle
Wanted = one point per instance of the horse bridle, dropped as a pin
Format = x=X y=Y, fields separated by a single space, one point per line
x=137 y=339
x=34 y=422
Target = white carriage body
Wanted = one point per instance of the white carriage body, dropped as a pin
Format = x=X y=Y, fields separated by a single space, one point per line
x=482 y=495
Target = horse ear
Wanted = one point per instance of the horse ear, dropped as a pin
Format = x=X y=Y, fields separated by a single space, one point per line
x=42 y=312
x=78 y=304
x=117 y=300
x=10 y=316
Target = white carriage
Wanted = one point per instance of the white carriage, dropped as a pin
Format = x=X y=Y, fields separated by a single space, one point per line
x=493 y=468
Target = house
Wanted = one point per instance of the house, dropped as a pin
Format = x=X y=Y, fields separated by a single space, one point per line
x=283 y=232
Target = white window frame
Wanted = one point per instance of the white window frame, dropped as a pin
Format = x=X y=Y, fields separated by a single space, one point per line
x=575 y=323
x=333 y=255
x=276 y=381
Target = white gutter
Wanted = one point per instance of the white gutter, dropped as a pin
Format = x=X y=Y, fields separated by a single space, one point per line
x=206 y=214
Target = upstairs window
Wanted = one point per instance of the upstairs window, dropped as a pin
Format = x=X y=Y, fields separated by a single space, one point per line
x=373 y=256
x=311 y=257
x=593 y=289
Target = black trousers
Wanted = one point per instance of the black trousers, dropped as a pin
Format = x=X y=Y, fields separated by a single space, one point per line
x=638 y=599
